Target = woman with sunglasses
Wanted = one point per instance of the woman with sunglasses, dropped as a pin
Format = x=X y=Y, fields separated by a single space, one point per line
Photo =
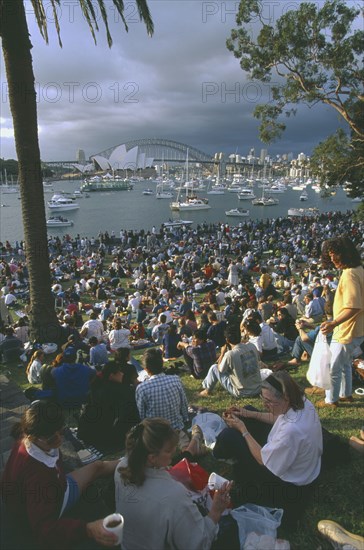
x=278 y=452
x=37 y=494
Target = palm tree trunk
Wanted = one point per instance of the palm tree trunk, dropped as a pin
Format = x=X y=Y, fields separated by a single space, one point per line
x=20 y=77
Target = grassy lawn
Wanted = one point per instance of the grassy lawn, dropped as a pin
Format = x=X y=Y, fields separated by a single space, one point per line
x=340 y=493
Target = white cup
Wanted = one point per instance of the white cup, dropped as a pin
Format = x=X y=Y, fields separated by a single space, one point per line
x=115 y=524
x=215 y=481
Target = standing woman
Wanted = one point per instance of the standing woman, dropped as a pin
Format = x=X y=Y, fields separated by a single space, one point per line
x=347 y=324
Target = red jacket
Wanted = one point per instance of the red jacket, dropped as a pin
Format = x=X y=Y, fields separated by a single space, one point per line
x=33 y=493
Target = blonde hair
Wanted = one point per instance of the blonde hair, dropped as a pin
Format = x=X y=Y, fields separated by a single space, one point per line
x=36 y=355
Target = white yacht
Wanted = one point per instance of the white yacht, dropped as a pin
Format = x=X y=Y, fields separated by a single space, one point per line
x=304 y=195
x=237 y=212
x=58 y=203
x=148 y=192
x=246 y=194
x=58 y=221
x=303 y=212
x=190 y=203
x=265 y=201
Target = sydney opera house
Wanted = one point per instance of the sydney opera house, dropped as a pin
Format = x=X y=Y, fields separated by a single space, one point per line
x=119 y=159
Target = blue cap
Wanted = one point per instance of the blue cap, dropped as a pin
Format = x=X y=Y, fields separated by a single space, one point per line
x=69 y=352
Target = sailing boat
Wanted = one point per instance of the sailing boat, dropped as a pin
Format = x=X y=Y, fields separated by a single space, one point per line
x=7 y=189
x=217 y=188
x=265 y=201
x=191 y=201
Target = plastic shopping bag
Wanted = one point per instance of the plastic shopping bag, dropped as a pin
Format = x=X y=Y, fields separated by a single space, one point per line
x=191 y=474
x=318 y=373
x=211 y=425
x=258 y=519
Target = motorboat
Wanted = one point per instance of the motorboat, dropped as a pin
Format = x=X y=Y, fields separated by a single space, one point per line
x=304 y=195
x=237 y=212
x=48 y=187
x=276 y=189
x=176 y=223
x=77 y=194
x=234 y=188
x=61 y=204
x=246 y=194
x=190 y=203
x=58 y=221
x=148 y=192
x=303 y=212
x=217 y=190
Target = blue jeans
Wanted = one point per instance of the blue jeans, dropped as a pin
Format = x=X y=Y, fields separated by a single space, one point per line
x=283 y=342
x=214 y=376
x=299 y=347
x=341 y=370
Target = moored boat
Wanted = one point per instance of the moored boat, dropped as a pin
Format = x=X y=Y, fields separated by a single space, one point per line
x=62 y=204
x=148 y=192
x=303 y=212
x=246 y=194
x=304 y=195
x=238 y=212
x=58 y=221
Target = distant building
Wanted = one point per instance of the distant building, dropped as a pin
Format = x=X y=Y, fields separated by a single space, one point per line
x=80 y=156
x=263 y=154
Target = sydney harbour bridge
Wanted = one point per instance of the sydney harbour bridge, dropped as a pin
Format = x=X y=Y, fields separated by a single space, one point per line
x=161 y=150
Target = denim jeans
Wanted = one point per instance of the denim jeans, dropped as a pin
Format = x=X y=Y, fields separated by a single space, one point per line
x=341 y=370
x=214 y=376
x=299 y=347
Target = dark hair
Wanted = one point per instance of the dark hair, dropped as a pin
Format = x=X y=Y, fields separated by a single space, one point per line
x=200 y=334
x=109 y=368
x=153 y=360
x=93 y=340
x=163 y=318
x=148 y=437
x=282 y=385
x=41 y=419
x=344 y=248
x=122 y=355
x=232 y=333
x=252 y=327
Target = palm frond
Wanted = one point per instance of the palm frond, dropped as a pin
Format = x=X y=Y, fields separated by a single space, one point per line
x=41 y=18
x=88 y=10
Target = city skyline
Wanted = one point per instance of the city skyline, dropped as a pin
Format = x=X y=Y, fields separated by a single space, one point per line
x=181 y=84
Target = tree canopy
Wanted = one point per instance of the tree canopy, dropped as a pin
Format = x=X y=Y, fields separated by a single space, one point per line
x=316 y=52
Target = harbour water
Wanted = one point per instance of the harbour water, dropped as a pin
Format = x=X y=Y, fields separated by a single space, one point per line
x=113 y=211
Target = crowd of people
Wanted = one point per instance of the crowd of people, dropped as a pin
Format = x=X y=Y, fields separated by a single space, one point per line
x=235 y=306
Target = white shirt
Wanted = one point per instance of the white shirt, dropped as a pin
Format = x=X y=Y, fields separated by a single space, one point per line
x=294 y=447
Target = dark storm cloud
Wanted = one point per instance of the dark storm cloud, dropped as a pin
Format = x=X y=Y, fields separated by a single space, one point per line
x=182 y=84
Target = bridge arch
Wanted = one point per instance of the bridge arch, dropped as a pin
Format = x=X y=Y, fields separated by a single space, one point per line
x=162 y=149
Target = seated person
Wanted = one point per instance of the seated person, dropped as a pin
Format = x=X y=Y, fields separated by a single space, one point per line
x=119 y=335
x=129 y=366
x=143 y=487
x=33 y=370
x=216 y=332
x=160 y=329
x=11 y=347
x=285 y=330
x=35 y=466
x=200 y=355
x=71 y=379
x=237 y=368
x=162 y=395
x=269 y=344
x=110 y=411
x=98 y=352
x=169 y=343
x=279 y=449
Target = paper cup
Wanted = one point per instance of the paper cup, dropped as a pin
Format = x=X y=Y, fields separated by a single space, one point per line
x=115 y=524
x=215 y=481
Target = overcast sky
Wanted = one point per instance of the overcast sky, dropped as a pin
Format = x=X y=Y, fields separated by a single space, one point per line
x=181 y=84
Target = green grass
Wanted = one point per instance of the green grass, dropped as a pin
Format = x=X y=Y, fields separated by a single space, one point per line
x=340 y=493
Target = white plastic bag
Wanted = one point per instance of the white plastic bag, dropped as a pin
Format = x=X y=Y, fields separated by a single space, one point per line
x=318 y=373
x=257 y=519
x=211 y=425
